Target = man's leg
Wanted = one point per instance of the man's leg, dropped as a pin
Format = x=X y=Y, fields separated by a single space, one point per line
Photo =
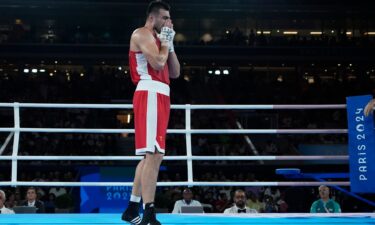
x=149 y=178
x=131 y=214
x=136 y=191
x=150 y=175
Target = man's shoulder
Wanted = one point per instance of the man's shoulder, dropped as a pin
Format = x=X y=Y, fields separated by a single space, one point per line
x=334 y=202
x=316 y=202
x=228 y=210
x=141 y=32
x=7 y=211
x=140 y=37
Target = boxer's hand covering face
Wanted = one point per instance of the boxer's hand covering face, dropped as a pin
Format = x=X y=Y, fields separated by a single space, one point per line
x=166 y=37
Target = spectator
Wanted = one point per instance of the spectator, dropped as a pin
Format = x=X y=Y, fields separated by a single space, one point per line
x=3 y=209
x=208 y=200
x=17 y=197
x=50 y=203
x=325 y=204
x=274 y=193
x=281 y=204
x=187 y=200
x=11 y=201
x=254 y=203
x=31 y=200
x=222 y=203
x=175 y=196
x=239 y=206
x=269 y=204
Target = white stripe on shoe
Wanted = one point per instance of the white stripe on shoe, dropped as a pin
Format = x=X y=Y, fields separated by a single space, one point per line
x=136 y=220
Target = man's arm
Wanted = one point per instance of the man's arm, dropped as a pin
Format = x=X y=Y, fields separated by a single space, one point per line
x=337 y=208
x=177 y=207
x=173 y=65
x=144 y=40
x=10 y=211
x=369 y=107
x=227 y=211
x=313 y=207
x=195 y=203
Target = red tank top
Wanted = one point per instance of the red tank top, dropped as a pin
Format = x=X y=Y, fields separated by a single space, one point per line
x=140 y=69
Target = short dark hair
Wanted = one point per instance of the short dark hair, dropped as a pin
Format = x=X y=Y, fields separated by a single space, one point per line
x=31 y=188
x=156 y=5
x=187 y=190
x=239 y=191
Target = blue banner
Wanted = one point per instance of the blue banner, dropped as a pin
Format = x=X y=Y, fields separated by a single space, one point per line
x=361 y=145
x=111 y=199
x=108 y=199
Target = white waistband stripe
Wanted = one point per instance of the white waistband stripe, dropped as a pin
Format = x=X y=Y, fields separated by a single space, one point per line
x=154 y=86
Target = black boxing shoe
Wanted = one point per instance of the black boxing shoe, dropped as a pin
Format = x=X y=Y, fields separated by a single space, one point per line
x=149 y=216
x=131 y=214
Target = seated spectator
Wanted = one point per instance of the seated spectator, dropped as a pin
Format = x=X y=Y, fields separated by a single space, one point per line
x=175 y=196
x=222 y=203
x=3 y=209
x=325 y=204
x=50 y=204
x=187 y=200
x=273 y=192
x=281 y=204
x=269 y=204
x=208 y=201
x=254 y=203
x=11 y=201
x=239 y=206
x=31 y=200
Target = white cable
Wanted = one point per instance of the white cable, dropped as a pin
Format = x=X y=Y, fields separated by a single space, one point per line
x=179 y=183
x=175 y=158
x=181 y=131
x=129 y=106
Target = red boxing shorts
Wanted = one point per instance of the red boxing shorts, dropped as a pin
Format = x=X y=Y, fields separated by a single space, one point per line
x=151 y=104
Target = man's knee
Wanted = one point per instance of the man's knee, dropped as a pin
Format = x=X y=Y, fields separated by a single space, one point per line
x=158 y=158
x=155 y=157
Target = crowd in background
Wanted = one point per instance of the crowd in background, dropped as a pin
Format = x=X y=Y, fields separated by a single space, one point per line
x=21 y=32
x=213 y=199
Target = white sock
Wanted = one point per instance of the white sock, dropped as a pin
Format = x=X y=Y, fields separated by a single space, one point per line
x=134 y=198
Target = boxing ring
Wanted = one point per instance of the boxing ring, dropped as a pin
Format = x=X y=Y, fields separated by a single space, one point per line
x=188 y=131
